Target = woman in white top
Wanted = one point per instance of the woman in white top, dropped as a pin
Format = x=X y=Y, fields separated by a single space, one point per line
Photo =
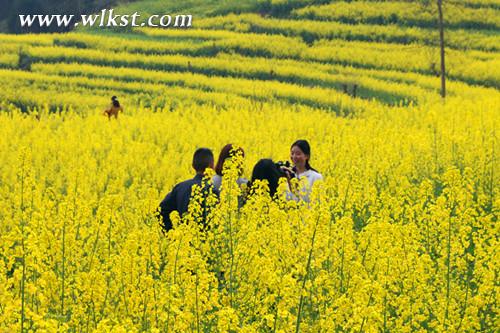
x=300 y=154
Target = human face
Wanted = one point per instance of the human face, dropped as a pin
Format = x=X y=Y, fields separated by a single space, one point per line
x=298 y=158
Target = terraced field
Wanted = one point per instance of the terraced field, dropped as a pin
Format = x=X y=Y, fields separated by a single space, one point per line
x=401 y=236
x=258 y=57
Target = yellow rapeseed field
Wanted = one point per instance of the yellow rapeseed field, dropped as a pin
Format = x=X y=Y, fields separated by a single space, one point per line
x=400 y=237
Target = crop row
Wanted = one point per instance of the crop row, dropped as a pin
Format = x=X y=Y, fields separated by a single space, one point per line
x=366 y=87
x=28 y=90
x=386 y=56
x=382 y=85
x=289 y=71
x=249 y=44
x=9 y=60
x=474 y=67
x=402 y=13
x=27 y=39
x=157 y=95
x=311 y=31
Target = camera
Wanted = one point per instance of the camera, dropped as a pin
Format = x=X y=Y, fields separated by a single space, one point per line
x=281 y=165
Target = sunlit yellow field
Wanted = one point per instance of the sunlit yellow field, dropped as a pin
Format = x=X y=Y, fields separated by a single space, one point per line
x=401 y=236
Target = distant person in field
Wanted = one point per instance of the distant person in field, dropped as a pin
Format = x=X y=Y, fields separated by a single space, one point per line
x=114 y=108
x=227 y=152
x=178 y=199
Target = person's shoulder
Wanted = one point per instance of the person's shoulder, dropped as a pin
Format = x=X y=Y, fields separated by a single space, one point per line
x=241 y=181
x=183 y=184
x=315 y=175
x=217 y=181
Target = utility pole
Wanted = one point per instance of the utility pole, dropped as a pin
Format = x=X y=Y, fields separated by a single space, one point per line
x=441 y=43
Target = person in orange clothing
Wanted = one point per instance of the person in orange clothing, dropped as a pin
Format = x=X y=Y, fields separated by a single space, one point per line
x=114 y=108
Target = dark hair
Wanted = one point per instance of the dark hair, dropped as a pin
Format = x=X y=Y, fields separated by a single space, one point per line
x=115 y=102
x=266 y=169
x=306 y=149
x=225 y=153
x=202 y=159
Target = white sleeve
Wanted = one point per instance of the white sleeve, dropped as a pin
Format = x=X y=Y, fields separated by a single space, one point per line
x=316 y=176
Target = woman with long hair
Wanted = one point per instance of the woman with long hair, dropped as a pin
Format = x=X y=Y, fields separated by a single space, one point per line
x=300 y=154
x=227 y=152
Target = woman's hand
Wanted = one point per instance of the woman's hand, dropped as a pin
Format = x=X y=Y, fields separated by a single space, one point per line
x=288 y=172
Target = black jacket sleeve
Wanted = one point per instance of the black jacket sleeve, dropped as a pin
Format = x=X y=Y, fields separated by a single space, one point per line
x=167 y=206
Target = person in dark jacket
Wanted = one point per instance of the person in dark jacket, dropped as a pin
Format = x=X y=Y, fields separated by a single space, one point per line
x=178 y=198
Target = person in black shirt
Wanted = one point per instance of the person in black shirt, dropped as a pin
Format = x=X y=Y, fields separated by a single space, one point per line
x=179 y=198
